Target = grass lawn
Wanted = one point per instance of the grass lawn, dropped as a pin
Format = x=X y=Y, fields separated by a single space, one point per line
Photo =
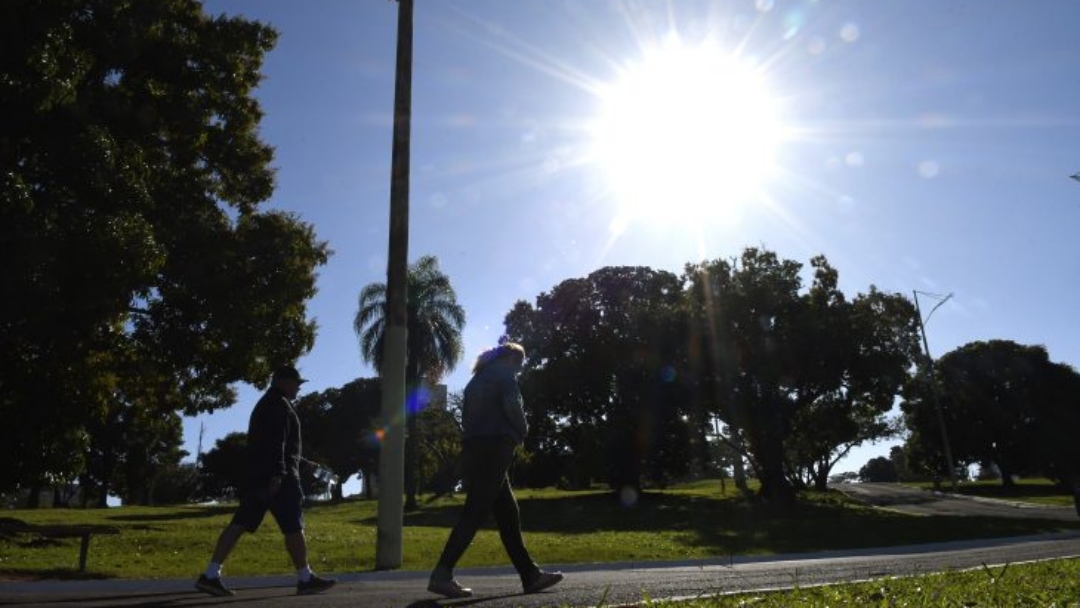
x=1037 y=491
x=692 y=520
x=1053 y=583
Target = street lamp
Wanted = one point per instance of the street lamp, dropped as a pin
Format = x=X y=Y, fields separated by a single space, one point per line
x=933 y=381
x=392 y=453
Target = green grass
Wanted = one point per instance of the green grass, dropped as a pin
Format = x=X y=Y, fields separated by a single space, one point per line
x=1036 y=491
x=688 y=521
x=1046 y=584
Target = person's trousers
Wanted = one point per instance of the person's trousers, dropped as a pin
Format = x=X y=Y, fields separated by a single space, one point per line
x=485 y=463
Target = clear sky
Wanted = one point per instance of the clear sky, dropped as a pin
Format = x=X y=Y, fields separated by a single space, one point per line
x=917 y=144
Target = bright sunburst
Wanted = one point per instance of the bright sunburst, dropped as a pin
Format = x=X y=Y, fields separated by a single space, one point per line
x=688 y=133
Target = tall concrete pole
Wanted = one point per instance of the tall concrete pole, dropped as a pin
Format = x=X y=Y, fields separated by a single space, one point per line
x=388 y=553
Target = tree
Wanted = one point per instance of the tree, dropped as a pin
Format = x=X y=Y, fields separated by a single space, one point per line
x=745 y=317
x=176 y=484
x=131 y=175
x=439 y=438
x=603 y=382
x=224 y=468
x=1004 y=404
x=339 y=427
x=879 y=469
x=869 y=346
x=435 y=322
x=803 y=375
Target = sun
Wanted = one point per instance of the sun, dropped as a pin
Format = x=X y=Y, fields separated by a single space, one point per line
x=686 y=134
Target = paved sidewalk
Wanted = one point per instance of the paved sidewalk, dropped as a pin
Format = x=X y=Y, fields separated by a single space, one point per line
x=586 y=585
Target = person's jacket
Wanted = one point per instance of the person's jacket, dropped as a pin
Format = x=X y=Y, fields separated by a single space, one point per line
x=273 y=439
x=493 y=406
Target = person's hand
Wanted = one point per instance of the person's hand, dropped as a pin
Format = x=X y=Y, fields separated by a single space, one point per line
x=275 y=485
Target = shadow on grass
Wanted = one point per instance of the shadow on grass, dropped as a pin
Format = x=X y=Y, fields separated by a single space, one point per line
x=1017 y=491
x=188 y=513
x=53 y=574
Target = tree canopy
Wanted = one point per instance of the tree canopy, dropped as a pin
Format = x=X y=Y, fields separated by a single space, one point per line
x=433 y=348
x=645 y=359
x=339 y=427
x=1004 y=404
x=131 y=177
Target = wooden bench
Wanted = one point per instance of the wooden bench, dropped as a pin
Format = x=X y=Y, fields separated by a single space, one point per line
x=82 y=532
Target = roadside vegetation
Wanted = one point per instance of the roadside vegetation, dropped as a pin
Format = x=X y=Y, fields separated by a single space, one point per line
x=696 y=520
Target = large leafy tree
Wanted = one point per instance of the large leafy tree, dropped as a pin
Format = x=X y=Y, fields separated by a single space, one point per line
x=802 y=375
x=439 y=437
x=604 y=383
x=869 y=347
x=339 y=429
x=746 y=314
x=224 y=468
x=131 y=174
x=434 y=325
x=1003 y=403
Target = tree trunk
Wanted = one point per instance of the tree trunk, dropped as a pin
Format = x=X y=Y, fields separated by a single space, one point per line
x=33 y=500
x=103 y=495
x=768 y=442
x=371 y=485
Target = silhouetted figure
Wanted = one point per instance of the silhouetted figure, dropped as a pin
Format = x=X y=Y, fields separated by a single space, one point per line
x=273 y=484
x=493 y=425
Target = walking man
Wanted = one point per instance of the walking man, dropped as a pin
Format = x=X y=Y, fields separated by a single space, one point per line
x=493 y=425
x=273 y=484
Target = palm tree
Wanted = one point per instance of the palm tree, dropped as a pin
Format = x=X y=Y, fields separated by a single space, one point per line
x=434 y=325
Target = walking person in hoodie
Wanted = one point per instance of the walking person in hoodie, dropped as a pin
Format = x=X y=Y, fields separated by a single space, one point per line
x=493 y=425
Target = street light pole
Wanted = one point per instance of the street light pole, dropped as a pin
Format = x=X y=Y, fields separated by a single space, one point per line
x=934 y=387
x=388 y=543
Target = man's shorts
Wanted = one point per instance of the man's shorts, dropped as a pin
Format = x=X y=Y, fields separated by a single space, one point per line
x=286 y=505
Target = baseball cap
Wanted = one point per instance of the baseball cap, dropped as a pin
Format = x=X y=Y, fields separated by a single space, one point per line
x=288 y=372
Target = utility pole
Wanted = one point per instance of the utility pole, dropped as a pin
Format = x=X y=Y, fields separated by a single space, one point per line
x=934 y=386
x=388 y=554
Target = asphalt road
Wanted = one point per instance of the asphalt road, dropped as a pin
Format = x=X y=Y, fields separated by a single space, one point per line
x=913 y=501
x=607 y=584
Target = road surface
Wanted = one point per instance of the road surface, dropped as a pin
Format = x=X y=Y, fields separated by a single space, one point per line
x=914 y=501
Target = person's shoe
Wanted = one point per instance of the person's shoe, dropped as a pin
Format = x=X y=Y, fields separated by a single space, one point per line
x=450 y=588
x=316 y=584
x=542 y=581
x=213 y=586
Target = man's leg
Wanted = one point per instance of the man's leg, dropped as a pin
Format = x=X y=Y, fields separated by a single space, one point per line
x=296 y=545
x=287 y=506
x=210 y=581
x=226 y=543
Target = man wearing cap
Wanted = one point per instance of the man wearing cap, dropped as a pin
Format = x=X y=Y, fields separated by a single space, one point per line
x=273 y=484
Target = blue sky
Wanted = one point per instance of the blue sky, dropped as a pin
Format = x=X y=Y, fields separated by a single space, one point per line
x=917 y=144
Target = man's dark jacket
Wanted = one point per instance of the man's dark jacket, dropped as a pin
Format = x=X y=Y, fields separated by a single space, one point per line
x=273 y=440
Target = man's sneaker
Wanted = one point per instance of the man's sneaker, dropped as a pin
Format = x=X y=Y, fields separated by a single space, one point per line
x=450 y=588
x=213 y=586
x=542 y=580
x=316 y=584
